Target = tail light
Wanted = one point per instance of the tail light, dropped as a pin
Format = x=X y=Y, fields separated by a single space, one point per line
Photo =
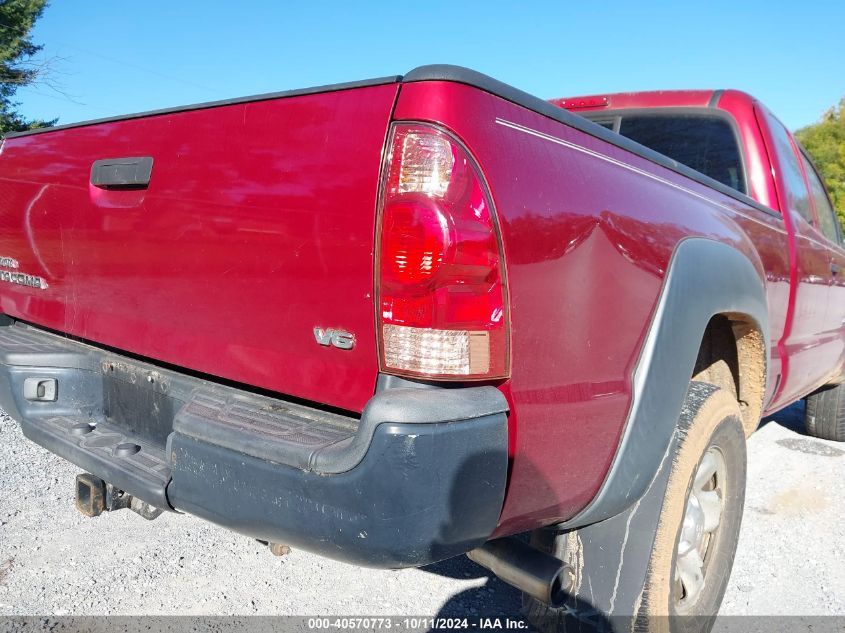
x=442 y=308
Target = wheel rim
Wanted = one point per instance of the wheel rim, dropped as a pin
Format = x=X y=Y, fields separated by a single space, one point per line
x=699 y=529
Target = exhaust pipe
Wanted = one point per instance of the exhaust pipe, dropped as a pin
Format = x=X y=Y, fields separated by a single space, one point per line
x=538 y=574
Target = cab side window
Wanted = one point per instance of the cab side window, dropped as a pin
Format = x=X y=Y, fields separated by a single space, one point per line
x=824 y=210
x=796 y=191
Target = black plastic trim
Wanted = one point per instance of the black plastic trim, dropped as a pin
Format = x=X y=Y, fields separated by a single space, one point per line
x=119 y=472
x=422 y=493
x=714 y=99
x=458 y=74
x=365 y=83
x=692 y=294
x=408 y=405
x=131 y=172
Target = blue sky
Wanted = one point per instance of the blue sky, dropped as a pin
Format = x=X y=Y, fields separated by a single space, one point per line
x=115 y=57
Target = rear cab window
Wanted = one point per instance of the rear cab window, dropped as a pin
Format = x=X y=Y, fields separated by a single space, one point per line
x=703 y=141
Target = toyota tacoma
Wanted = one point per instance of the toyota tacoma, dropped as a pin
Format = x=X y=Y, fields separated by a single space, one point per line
x=404 y=319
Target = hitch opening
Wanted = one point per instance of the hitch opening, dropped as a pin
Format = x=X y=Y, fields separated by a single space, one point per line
x=95 y=496
x=90 y=495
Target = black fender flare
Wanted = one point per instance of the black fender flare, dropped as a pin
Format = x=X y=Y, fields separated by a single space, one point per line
x=704 y=278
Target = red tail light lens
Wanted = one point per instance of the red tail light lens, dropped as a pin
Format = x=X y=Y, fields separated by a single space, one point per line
x=441 y=280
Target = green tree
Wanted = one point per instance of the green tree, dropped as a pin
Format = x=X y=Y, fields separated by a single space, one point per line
x=17 y=66
x=825 y=141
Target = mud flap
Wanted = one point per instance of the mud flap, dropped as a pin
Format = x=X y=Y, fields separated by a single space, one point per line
x=609 y=564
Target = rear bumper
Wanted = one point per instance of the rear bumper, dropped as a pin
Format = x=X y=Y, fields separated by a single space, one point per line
x=419 y=478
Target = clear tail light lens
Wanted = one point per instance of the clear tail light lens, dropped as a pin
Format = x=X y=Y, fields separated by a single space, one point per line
x=441 y=280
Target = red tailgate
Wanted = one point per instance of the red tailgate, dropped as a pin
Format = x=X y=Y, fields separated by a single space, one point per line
x=257 y=226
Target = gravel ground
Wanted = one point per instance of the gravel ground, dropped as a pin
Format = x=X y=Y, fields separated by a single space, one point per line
x=55 y=561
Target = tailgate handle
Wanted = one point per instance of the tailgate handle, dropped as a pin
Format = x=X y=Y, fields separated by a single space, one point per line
x=122 y=173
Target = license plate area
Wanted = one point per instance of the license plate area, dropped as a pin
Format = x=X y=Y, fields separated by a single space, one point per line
x=137 y=399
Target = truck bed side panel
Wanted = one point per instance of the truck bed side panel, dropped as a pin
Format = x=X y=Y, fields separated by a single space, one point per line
x=588 y=230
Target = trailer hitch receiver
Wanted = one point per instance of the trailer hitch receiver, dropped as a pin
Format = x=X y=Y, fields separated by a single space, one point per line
x=95 y=496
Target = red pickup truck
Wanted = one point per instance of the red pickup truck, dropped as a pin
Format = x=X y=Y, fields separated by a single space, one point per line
x=398 y=320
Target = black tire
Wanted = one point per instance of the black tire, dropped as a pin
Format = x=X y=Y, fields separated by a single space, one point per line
x=825 y=414
x=711 y=420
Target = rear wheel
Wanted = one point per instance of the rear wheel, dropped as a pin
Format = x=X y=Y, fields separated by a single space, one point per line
x=697 y=525
x=825 y=414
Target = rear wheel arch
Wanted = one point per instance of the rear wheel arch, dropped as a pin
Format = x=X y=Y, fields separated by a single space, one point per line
x=732 y=355
x=707 y=282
